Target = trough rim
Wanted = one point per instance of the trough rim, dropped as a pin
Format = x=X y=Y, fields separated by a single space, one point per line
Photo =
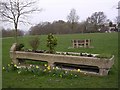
x=72 y=56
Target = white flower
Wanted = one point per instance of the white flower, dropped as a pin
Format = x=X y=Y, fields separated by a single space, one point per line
x=57 y=68
x=30 y=65
x=66 y=72
x=19 y=72
x=75 y=75
x=53 y=67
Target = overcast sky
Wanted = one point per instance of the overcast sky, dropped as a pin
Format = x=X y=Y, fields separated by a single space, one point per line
x=59 y=9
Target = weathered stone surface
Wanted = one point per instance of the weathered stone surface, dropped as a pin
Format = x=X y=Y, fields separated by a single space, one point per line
x=103 y=64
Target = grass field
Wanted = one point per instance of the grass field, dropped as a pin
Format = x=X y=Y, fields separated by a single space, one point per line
x=106 y=43
x=0 y=62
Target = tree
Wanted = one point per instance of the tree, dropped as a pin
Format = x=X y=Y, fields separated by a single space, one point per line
x=97 y=18
x=51 y=43
x=73 y=18
x=110 y=24
x=15 y=11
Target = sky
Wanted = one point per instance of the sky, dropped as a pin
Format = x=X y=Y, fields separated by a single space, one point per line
x=59 y=9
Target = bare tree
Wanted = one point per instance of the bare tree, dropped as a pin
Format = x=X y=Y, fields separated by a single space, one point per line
x=15 y=11
x=73 y=18
x=97 y=18
x=117 y=19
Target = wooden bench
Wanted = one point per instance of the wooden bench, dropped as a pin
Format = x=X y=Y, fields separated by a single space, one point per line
x=81 y=43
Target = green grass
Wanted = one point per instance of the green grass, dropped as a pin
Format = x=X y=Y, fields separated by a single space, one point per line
x=104 y=43
x=0 y=63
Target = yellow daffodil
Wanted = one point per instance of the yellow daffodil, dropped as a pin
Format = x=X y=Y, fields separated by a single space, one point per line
x=44 y=70
x=45 y=65
x=60 y=75
x=48 y=67
x=8 y=65
x=15 y=65
x=3 y=68
x=37 y=67
x=78 y=70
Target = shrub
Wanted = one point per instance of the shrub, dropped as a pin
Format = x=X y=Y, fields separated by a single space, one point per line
x=51 y=43
x=34 y=43
x=19 y=47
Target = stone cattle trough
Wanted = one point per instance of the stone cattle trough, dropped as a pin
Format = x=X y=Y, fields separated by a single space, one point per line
x=99 y=65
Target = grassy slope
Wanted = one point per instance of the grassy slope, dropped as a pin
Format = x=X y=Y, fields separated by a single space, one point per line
x=0 y=63
x=103 y=43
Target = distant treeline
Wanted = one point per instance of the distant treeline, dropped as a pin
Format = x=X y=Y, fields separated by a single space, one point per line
x=58 y=27
x=62 y=27
x=11 y=32
x=97 y=22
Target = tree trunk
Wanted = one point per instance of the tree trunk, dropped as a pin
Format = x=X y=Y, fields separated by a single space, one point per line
x=16 y=40
x=96 y=28
x=72 y=26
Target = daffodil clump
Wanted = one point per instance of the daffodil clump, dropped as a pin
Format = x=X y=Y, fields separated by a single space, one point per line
x=39 y=70
x=10 y=67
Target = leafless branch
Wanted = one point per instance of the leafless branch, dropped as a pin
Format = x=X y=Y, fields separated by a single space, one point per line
x=14 y=10
x=25 y=22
